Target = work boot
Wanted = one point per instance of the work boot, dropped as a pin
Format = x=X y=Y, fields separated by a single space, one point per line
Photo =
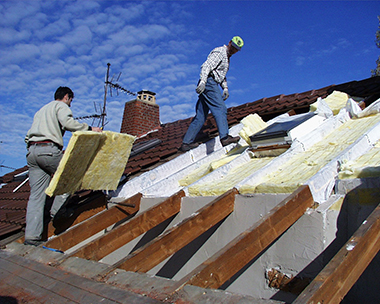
x=187 y=147
x=229 y=140
x=64 y=213
x=33 y=242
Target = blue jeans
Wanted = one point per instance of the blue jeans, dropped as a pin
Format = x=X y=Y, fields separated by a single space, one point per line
x=42 y=161
x=211 y=99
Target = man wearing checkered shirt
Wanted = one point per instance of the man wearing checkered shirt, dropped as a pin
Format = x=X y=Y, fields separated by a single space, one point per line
x=213 y=73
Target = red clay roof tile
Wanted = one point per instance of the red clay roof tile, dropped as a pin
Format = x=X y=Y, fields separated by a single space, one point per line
x=171 y=135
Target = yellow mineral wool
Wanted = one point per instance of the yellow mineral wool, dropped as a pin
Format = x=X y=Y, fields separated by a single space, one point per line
x=204 y=170
x=366 y=165
x=302 y=166
x=337 y=205
x=222 y=185
x=109 y=162
x=74 y=163
x=252 y=124
x=336 y=101
x=91 y=162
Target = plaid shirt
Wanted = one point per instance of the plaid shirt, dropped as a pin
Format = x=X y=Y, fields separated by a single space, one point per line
x=216 y=65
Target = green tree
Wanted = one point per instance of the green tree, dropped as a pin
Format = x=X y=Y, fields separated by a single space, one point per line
x=376 y=72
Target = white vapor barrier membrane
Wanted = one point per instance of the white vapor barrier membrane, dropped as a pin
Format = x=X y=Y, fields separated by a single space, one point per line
x=302 y=166
x=366 y=165
x=228 y=181
x=92 y=161
x=335 y=101
x=232 y=174
x=204 y=170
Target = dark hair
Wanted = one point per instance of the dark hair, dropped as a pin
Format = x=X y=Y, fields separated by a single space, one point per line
x=62 y=91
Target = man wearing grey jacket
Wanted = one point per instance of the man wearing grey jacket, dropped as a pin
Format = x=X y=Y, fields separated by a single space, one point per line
x=45 y=142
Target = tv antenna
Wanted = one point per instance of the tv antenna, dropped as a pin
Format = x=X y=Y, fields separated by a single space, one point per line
x=4 y=166
x=109 y=84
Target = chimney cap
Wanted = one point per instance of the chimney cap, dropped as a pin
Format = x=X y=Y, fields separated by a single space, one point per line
x=146 y=92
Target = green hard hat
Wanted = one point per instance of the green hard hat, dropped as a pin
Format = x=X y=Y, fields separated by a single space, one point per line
x=237 y=42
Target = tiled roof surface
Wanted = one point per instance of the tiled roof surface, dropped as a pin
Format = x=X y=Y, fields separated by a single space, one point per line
x=13 y=203
x=171 y=134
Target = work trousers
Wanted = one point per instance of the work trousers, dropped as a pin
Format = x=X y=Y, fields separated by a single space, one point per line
x=42 y=161
x=211 y=99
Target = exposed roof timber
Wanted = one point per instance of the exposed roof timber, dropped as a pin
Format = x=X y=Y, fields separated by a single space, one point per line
x=131 y=229
x=218 y=269
x=261 y=107
x=162 y=247
x=340 y=274
x=89 y=206
x=93 y=225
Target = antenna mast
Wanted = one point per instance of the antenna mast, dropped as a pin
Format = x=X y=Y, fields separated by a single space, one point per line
x=108 y=85
x=105 y=95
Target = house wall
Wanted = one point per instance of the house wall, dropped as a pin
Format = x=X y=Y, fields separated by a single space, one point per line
x=293 y=251
x=363 y=196
x=302 y=251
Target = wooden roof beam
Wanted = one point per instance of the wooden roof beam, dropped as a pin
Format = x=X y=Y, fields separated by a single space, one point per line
x=162 y=247
x=345 y=268
x=93 y=225
x=219 y=268
x=126 y=232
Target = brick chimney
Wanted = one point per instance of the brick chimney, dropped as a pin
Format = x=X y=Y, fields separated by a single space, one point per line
x=141 y=115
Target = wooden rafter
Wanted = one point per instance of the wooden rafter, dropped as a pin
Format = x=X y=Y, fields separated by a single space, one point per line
x=93 y=225
x=156 y=251
x=218 y=269
x=345 y=268
x=131 y=229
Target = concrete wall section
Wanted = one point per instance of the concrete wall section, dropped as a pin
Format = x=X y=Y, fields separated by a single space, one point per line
x=363 y=195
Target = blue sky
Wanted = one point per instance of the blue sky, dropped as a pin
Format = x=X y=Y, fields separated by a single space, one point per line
x=290 y=47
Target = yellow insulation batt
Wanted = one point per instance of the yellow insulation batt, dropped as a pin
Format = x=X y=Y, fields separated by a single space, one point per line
x=225 y=183
x=295 y=172
x=204 y=170
x=252 y=124
x=92 y=161
x=336 y=101
x=105 y=170
x=366 y=165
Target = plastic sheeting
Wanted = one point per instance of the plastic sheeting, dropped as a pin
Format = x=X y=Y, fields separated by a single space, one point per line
x=298 y=169
x=335 y=102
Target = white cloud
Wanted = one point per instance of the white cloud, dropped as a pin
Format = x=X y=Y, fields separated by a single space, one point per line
x=78 y=37
x=10 y=35
x=12 y=12
x=52 y=51
x=53 y=29
x=19 y=53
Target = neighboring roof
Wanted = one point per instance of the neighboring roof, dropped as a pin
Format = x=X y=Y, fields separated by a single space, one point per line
x=162 y=145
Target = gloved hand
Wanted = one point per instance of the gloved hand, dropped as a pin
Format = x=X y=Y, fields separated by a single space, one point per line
x=201 y=87
x=225 y=94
